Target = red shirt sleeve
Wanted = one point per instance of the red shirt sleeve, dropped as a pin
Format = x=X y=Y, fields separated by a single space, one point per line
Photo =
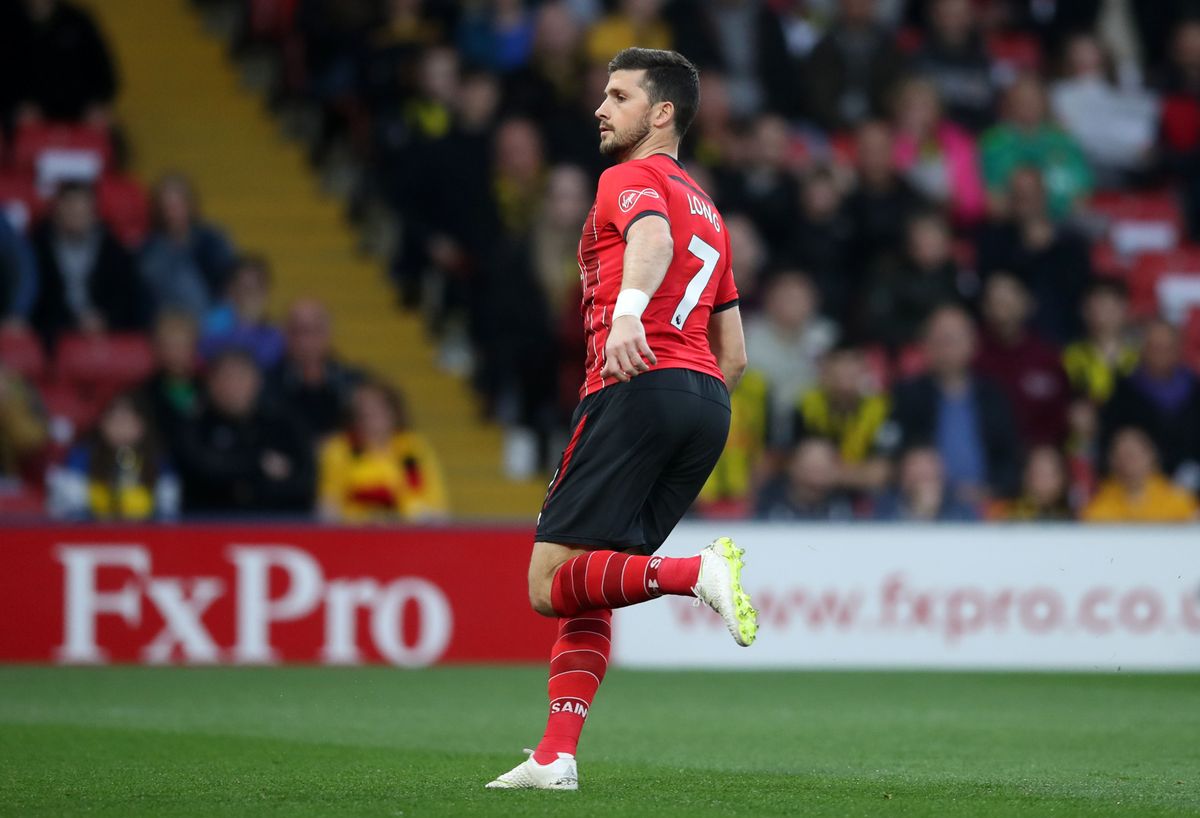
x=628 y=192
x=727 y=292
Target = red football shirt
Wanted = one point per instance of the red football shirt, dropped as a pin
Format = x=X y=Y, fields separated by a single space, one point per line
x=698 y=282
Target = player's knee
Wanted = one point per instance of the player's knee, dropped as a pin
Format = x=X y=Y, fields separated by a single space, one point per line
x=539 y=597
x=539 y=600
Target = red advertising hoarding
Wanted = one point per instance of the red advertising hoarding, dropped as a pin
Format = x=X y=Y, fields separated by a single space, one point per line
x=266 y=594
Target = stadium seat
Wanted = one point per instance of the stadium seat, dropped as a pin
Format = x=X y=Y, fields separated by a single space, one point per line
x=69 y=411
x=51 y=152
x=1013 y=53
x=21 y=351
x=19 y=499
x=125 y=206
x=19 y=200
x=1163 y=282
x=99 y=366
x=1138 y=223
x=271 y=20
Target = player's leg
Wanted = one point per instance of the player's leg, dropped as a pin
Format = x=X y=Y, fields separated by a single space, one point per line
x=565 y=580
x=719 y=584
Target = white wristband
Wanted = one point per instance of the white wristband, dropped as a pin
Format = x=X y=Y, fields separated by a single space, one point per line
x=631 y=302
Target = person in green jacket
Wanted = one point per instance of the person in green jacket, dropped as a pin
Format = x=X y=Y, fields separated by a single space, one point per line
x=1027 y=136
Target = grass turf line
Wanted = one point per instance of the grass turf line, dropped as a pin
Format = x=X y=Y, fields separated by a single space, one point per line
x=377 y=741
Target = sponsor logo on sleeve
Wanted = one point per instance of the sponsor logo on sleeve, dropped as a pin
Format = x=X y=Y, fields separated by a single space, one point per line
x=629 y=198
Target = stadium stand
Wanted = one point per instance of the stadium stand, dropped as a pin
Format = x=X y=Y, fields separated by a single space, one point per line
x=891 y=158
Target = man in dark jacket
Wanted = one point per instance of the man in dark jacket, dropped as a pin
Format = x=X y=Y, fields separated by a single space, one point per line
x=1162 y=398
x=242 y=455
x=850 y=73
x=310 y=380
x=88 y=281
x=965 y=417
x=954 y=59
x=54 y=63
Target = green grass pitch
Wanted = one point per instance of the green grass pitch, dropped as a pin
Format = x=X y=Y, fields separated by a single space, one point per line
x=376 y=741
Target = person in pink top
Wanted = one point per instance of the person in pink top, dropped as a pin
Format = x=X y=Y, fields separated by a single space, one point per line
x=938 y=157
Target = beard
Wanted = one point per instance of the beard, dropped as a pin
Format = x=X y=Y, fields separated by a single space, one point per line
x=620 y=143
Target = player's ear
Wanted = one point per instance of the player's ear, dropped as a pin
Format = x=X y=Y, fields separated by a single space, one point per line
x=665 y=113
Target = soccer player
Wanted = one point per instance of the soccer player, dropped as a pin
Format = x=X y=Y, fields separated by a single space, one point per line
x=664 y=347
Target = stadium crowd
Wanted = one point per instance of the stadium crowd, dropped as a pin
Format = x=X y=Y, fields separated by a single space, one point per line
x=961 y=232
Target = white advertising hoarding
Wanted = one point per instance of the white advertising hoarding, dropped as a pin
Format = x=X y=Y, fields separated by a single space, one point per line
x=1020 y=596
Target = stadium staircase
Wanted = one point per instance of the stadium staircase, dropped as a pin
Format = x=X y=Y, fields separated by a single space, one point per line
x=184 y=108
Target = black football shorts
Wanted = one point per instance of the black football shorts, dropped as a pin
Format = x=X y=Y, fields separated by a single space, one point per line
x=638 y=456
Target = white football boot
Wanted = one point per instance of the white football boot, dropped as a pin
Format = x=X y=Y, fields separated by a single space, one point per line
x=720 y=587
x=559 y=774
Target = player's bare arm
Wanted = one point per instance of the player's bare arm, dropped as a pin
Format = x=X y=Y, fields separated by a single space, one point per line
x=648 y=254
x=728 y=343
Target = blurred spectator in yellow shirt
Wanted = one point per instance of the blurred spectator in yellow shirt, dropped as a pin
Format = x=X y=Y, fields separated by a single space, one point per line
x=379 y=469
x=1138 y=492
x=634 y=23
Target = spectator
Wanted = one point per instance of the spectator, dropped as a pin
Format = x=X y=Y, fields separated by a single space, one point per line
x=788 y=339
x=1162 y=398
x=1043 y=496
x=937 y=156
x=440 y=199
x=821 y=242
x=808 y=490
x=242 y=455
x=120 y=472
x=551 y=89
x=765 y=189
x=922 y=494
x=379 y=469
x=1095 y=362
x=510 y=321
x=498 y=35
x=633 y=23
x=954 y=59
x=964 y=417
x=753 y=53
x=1137 y=492
x=746 y=245
x=185 y=262
x=881 y=204
x=745 y=463
x=848 y=76
x=715 y=141
x=23 y=432
x=88 y=281
x=1026 y=136
x=1050 y=259
x=1116 y=127
x=1179 y=133
x=313 y=384
x=54 y=64
x=241 y=320
x=556 y=237
x=1025 y=367
x=172 y=392
x=900 y=298
x=407 y=122
x=18 y=276
x=847 y=413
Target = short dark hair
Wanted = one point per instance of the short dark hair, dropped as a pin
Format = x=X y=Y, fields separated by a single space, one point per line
x=1107 y=286
x=670 y=76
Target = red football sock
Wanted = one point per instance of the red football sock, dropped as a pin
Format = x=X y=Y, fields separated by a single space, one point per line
x=611 y=579
x=577 y=664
